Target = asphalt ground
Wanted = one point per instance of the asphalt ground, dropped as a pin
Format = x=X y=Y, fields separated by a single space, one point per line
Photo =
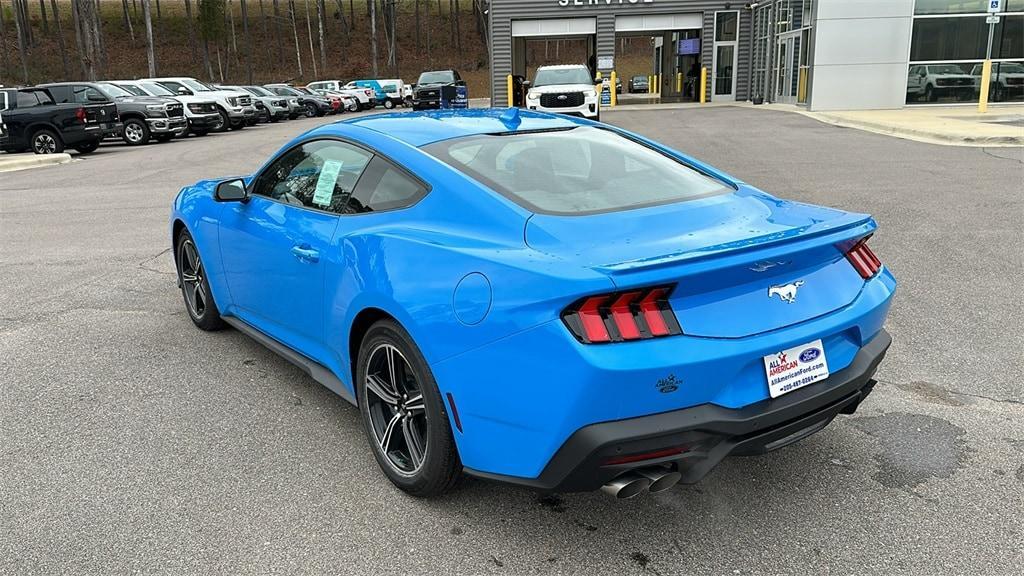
x=132 y=443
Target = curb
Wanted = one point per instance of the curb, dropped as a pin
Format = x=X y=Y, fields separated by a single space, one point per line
x=14 y=162
x=918 y=135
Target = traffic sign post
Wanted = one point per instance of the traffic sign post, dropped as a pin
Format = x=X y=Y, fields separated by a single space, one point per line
x=994 y=6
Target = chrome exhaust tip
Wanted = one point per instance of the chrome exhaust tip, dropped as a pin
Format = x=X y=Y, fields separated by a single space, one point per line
x=626 y=486
x=661 y=478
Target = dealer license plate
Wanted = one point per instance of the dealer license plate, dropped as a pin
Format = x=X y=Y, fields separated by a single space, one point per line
x=795 y=368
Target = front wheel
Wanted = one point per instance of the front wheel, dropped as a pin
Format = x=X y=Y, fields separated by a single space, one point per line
x=311 y=110
x=403 y=414
x=136 y=132
x=195 y=289
x=389 y=104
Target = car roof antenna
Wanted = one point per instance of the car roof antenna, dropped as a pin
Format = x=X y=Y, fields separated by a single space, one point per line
x=510 y=118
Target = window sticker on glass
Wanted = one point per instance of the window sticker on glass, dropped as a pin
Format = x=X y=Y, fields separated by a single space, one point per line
x=326 y=182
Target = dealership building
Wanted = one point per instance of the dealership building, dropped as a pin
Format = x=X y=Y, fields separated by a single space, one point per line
x=823 y=54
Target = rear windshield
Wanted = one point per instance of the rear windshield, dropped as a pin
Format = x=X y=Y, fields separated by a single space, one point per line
x=575 y=171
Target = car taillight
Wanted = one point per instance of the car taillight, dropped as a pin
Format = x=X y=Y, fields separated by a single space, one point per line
x=636 y=314
x=80 y=115
x=863 y=259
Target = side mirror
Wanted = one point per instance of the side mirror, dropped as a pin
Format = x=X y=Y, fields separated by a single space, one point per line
x=184 y=91
x=231 y=191
x=526 y=83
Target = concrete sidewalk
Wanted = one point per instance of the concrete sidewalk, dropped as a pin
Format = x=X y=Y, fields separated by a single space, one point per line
x=1001 y=126
x=13 y=162
x=952 y=125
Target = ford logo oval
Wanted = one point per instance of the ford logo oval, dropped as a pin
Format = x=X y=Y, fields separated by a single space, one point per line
x=563 y=97
x=810 y=355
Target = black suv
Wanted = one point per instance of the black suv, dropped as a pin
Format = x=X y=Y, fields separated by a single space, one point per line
x=34 y=121
x=440 y=89
x=144 y=117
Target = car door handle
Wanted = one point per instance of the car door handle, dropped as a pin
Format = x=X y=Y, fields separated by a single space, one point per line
x=306 y=254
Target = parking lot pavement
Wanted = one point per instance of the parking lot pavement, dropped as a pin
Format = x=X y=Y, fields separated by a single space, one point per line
x=132 y=443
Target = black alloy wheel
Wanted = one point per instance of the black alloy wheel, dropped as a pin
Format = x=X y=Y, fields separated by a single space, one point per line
x=225 y=122
x=311 y=110
x=46 y=142
x=404 y=416
x=194 y=286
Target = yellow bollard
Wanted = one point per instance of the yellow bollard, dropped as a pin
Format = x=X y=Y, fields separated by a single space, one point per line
x=679 y=82
x=508 y=85
x=703 y=84
x=599 y=88
x=657 y=84
x=611 y=88
x=986 y=77
x=650 y=84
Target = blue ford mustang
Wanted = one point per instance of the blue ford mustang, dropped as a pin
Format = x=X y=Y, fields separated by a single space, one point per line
x=539 y=299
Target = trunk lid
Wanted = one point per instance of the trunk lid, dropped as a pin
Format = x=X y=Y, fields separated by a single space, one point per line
x=743 y=263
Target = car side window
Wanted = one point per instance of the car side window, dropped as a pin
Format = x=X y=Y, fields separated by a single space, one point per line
x=61 y=94
x=319 y=174
x=82 y=94
x=27 y=99
x=383 y=187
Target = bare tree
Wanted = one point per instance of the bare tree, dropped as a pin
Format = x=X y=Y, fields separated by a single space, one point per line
x=20 y=25
x=60 y=40
x=127 y=20
x=266 y=33
x=84 y=18
x=191 y=29
x=320 y=22
x=342 y=22
x=352 y=14
x=159 y=14
x=418 y=25
x=373 y=33
x=3 y=41
x=150 y=53
x=42 y=8
x=458 y=27
x=97 y=34
x=248 y=41
x=390 y=34
x=277 y=32
x=21 y=6
x=295 y=34
x=309 y=33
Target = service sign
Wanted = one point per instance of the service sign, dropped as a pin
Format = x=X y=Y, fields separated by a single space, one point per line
x=565 y=3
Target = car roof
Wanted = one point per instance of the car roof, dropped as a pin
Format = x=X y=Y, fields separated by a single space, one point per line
x=421 y=128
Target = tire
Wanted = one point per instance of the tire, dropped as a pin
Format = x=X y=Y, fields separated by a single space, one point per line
x=225 y=121
x=88 y=147
x=136 y=132
x=421 y=459
x=311 y=110
x=196 y=293
x=388 y=104
x=46 y=141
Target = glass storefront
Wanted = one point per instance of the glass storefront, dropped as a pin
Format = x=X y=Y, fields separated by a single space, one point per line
x=948 y=46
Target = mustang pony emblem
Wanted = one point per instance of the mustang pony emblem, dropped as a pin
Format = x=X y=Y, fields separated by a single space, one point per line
x=787 y=292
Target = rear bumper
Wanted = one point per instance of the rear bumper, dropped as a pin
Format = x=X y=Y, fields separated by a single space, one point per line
x=708 y=433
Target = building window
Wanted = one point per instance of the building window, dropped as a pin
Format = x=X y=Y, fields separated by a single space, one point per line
x=946 y=52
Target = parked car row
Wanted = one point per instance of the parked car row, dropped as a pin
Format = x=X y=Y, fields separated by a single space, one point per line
x=50 y=118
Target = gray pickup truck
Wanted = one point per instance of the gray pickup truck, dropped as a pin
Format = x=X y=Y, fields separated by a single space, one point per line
x=144 y=117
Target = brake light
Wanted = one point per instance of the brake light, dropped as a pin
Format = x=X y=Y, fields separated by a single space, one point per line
x=863 y=259
x=80 y=115
x=622 y=316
